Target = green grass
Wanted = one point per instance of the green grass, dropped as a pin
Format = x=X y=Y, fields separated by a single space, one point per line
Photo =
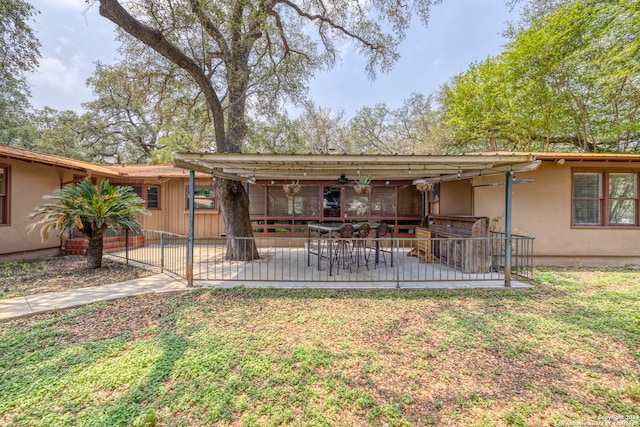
x=568 y=350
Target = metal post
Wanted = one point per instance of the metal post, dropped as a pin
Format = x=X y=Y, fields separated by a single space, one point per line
x=162 y=252
x=190 y=240
x=507 y=229
x=126 y=245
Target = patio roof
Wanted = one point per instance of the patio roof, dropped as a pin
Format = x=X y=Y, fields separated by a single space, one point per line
x=249 y=167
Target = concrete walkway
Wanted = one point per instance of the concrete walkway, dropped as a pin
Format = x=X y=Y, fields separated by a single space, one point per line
x=39 y=303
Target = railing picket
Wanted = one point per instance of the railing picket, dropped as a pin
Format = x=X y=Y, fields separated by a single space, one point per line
x=290 y=259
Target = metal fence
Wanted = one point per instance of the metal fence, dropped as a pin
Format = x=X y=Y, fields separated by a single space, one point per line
x=336 y=260
x=521 y=254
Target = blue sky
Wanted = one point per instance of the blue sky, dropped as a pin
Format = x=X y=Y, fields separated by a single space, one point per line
x=460 y=32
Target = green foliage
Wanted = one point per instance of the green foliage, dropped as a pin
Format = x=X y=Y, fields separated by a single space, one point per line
x=567 y=81
x=19 y=53
x=20 y=48
x=90 y=209
x=275 y=133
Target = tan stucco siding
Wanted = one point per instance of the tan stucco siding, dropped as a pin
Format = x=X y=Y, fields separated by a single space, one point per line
x=29 y=183
x=542 y=209
x=455 y=197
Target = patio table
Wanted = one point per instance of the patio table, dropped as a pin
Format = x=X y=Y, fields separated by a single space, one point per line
x=326 y=230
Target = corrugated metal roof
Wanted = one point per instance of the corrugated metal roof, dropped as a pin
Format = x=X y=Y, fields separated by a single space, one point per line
x=593 y=157
x=302 y=167
x=152 y=171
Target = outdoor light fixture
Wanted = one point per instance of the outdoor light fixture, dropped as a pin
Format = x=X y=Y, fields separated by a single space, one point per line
x=459 y=173
x=409 y=171
x=343 y=179
x=304 y=172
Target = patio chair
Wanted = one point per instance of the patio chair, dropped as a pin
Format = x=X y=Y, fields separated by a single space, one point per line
x=360 y=245
x=342 y=251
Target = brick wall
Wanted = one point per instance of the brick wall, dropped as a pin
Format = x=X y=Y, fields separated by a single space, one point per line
x=78 y=246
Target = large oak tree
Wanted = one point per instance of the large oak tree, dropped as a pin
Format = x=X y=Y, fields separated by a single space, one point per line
x=248 y=53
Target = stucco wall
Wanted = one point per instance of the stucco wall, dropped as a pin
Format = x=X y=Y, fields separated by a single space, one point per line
x=29 y=182
x=542 y=209
x=455 y=197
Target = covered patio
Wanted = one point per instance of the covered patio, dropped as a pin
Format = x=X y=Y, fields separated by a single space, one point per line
x=340 y=173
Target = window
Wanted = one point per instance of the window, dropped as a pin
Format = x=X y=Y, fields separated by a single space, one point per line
x=605 y=198
x=149 y=193
x=622 y=198
x=587 y=198
x=204 y=198
x=4 y=194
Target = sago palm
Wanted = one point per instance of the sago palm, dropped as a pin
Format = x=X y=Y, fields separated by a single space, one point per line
x=92 y=210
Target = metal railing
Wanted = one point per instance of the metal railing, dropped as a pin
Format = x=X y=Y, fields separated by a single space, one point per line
x=370 y=260
x=164 y=251
x=521 y=254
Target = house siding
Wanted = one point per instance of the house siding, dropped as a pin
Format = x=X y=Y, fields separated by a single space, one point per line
x=173 y=215
x=542 y=209
x=29 y=183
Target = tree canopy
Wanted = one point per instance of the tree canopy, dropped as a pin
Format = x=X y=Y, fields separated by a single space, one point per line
x=254 y=53
x=19 y=53
x=568 y=81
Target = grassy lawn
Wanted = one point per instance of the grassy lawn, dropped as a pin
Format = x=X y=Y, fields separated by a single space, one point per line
x=568 y=350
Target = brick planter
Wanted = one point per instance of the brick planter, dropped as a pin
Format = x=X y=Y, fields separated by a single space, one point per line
x=78 y=245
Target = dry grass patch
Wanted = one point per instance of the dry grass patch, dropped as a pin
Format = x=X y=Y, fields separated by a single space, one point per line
x=568 y=350
x=61 y=273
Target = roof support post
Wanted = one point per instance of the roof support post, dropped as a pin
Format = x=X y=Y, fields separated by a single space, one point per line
x=190 y=240
x=507 y=229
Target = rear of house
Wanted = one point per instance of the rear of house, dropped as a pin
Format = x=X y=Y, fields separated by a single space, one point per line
x=582 y=209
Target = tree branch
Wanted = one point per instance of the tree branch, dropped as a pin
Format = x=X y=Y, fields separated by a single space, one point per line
x=112 y=10
x=324 y=20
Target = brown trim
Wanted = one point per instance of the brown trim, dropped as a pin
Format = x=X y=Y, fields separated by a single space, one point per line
x=605 y=199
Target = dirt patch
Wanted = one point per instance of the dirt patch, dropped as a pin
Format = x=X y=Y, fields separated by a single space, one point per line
x=55 y=274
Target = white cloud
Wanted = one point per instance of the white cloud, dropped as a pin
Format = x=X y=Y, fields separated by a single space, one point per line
x=53 y=73
x=59 y=84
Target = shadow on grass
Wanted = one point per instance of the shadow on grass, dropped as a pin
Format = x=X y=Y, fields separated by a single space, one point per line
x=131 y=406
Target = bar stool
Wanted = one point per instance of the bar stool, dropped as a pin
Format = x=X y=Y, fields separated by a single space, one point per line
x=342 y=251
x=360 y=245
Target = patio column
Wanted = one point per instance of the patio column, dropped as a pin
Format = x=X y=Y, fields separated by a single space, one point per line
x=507 y=229
x=190 y=240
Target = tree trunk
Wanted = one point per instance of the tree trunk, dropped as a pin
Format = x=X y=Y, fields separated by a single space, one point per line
x=94 y=252
x=234 y=207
